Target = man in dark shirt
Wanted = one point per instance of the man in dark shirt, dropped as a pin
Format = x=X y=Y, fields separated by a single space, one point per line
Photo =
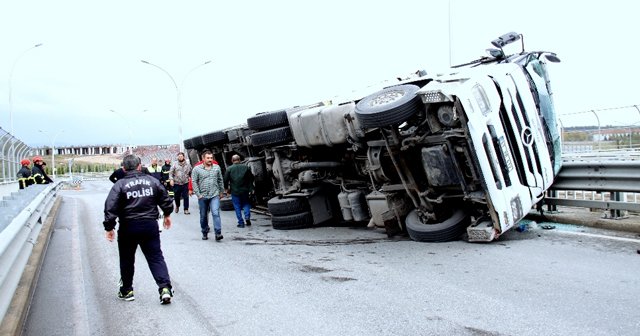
x=117 y=174
x=238 y=180
x=38 y=173
x=165 y=178
x=134 y=201
x=24 y=174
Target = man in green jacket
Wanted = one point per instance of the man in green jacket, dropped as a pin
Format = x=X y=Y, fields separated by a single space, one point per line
x=238 y=181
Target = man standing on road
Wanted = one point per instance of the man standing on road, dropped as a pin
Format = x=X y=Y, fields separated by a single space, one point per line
x=134 y=201
x=180 y=173
x=195 y=165
x=208 y=186
x=166 y=178
x=154 y=169
x=238 y=181
x=117 y=174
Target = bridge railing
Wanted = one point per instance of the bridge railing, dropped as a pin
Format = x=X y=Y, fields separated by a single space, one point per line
x=12 y=151
x=22 y=214
x=609 y=185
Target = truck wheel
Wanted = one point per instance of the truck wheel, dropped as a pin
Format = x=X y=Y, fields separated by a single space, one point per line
x=257 y=168
x=268 y=120
x=448 y=230
x=272 y=137
x=292 y=222
x=214 y=138
x=286 y=206
x=193 y=156
x=197 y=143
x=226 y=204
x=188 y=144
x=389 y=106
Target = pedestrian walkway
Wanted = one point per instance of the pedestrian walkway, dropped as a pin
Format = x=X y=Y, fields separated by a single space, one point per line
x=7 y=187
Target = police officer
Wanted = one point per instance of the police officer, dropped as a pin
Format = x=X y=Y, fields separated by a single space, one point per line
x=134 y=201
x=24 y=174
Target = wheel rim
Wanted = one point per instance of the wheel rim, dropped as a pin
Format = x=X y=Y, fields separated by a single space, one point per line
x=387 y=98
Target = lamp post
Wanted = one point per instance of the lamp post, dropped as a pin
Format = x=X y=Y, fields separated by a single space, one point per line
x=10 y=86
x=178 y=95
x=126 y=121
x=53 y=150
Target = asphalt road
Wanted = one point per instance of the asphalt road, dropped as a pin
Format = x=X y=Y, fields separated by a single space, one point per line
x=336 y=281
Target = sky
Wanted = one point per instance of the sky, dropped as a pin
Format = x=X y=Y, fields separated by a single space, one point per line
x=268 y=55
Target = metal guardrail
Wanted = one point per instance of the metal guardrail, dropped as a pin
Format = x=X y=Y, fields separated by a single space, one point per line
x=599 y=176
x=21 y=225
x=606 y=178
x=630 y=154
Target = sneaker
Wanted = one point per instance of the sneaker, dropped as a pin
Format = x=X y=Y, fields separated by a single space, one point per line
x=240 y=225
x=165 y=296
x=247 y=222
x=186 y=212
x=126 y=297
x=219 y=236
x=205 y=236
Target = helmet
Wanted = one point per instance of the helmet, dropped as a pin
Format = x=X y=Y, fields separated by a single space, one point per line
x=37 y=158
x=25 y=162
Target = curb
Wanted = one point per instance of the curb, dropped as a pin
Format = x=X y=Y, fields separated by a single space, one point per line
x=16 y=315
x=585 y=217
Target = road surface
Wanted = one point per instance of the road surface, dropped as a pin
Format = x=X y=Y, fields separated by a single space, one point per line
x=336 y=281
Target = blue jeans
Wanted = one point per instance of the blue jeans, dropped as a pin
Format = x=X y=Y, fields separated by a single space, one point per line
x=241 y=203
x=210 y=204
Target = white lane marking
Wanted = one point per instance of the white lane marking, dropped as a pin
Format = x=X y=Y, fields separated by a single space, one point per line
x=595 y=235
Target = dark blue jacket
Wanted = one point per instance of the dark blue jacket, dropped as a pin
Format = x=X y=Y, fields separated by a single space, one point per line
x=135 y=197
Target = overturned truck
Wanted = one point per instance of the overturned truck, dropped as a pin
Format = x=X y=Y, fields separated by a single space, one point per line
x=471 y=150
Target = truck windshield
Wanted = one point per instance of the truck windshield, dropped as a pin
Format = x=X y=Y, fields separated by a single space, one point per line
x=537 y=71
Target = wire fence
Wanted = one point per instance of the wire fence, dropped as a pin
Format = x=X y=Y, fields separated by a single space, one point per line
x=12 y=150
x=605 y=129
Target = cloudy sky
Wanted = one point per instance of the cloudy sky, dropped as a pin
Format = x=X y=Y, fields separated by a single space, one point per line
x=267 y=55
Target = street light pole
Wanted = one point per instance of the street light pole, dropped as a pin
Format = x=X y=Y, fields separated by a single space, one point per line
x=178 y=96
x=129 y=127
x=10 y=84
x=53 y=150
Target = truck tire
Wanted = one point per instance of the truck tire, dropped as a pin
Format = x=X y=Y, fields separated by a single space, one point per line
x=292 y=222
x=226 y=204
x=188 y=144
x=286 y=206
x=268 y=120
x=197 y=143
x=193 y=156
x=272 y=137
x=389 y=106
x=450 y=229
x=214 y=138
x=257 y=169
